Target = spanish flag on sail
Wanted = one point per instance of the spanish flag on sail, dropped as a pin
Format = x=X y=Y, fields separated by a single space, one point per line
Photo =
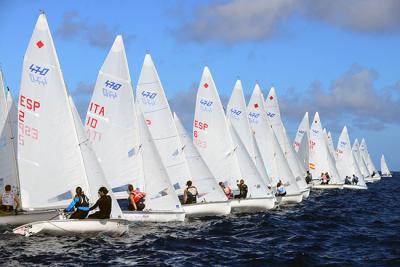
x=312 y=166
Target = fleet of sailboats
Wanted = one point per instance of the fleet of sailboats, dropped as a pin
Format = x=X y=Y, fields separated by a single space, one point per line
x=238 y=158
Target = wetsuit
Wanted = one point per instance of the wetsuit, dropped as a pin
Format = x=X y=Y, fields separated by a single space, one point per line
x=81 y=205
x=104 y=204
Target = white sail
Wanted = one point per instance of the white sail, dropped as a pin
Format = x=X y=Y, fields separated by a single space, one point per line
x=384 y=167
x=367 y=158
x=236 y=112
x=13 y=121
x=359 y=159
x=301 y=141
x=8 y=163
x=345 y=160
x=111 y=122
x=211 y=135
x=271 y=153
x=331 y=146
x=201 y=175
x=321 y=160
x=94 y=173
x=160 y=195
x=49 y=158
x=151 y=98
x=275 y=120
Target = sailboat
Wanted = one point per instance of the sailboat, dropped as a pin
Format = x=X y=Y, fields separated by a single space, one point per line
x=236 y=112
x=8 y=162
x=329 y=141
x=205 y=181
x=271 y=153
x=151 y=98
x=346 y=162
x=321 y=160
x=112 y=125
x=384 y=168
x=301 y=141
x=361 y=162
x=370 y=164
x=54 y=160
x=275 y=120
x=213 y=138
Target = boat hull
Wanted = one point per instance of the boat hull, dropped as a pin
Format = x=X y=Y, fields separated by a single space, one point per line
x=328 y=186
x=27 y=217
x=67 y=227
x=376 y=179
x=291 y=198
x=306 y=193
x=353 y=186
x=369 y=180
x=218 y=208
x=252 y=204
x=154 y=216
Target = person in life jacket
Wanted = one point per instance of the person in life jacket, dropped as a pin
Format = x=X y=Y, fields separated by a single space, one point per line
x=355 y=179
x=280 y=189
x=227 y=190
x=243 y=189
x=308 y=177
x=328 y=178
x=347 y=180
x=9 y=200
x=324 y=179
x=104 y=203
x=136 y=199
x=190 y=193
x=80 y=205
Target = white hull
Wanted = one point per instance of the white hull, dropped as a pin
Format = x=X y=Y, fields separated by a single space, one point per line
x=306 y=193
x=369 y=180
x=387 y=175
x=291 y=199
x=353 y=186
x=67 y=227
x=219 y=208
x=376 y=179
x=328 y=186
x=252 y=204
x=27 y=217
x=154 y=216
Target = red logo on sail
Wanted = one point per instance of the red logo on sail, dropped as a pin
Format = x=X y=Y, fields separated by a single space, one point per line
x=312 y=166
x=271 y=97
x=256 y=105
x=40 y=44
x=205 y=85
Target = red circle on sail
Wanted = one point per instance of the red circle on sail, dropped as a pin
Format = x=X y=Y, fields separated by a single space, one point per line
x=256 y=105
x=271 y=97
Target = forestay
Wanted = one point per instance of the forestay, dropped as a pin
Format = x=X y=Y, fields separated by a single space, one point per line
x=271 y=152
x=156 y=110
x=111 y=122
x=211 y=135
x=49 y=156
x=201 y=175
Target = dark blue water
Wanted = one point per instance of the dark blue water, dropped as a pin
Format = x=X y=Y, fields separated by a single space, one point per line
x=331 y=228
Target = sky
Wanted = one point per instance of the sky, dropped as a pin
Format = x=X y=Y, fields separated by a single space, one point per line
x=340 y=57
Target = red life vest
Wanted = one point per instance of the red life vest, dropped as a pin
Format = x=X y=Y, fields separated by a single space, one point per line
x=227 y=191
x=138 y=196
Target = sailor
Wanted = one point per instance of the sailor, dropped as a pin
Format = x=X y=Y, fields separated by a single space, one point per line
x=308 y=177
x=80 y=204
x=136 y=199
x=104 y=205
x=328 y=178
x=324 y=179
x=227 y=190
x=190 y=193
x=243 y=189
x=355 y=179
x=280 y=189
x=8 y=200
x=347 y=180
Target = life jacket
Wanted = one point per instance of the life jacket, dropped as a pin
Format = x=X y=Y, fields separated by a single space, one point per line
x=7 y=199
x=281 y=190
x=138 y=196
x=191 y=194
x=83 y=201
x=228 y=191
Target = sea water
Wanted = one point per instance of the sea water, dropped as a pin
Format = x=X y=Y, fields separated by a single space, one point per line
x=331 y=227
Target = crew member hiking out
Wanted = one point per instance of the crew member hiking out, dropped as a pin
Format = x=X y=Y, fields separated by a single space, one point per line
x=136 y=199
x=80 y=205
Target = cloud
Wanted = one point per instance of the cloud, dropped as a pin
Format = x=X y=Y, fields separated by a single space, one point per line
x=97 y=35
x=82 y=95
x=257 y=20
x=353 y=96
